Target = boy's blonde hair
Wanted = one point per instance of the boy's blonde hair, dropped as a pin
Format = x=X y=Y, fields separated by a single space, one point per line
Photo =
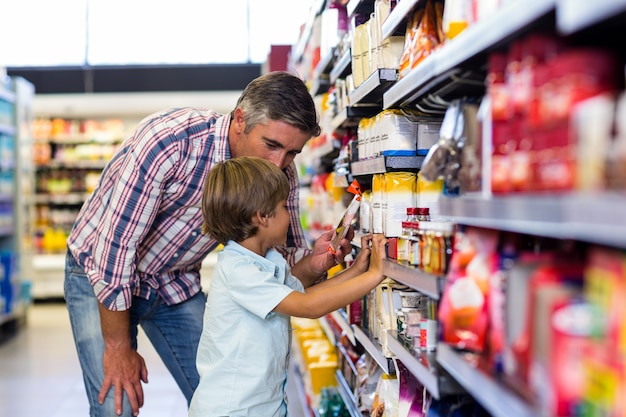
x=235 y=190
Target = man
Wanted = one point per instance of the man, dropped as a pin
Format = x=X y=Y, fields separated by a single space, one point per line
x=135 y=251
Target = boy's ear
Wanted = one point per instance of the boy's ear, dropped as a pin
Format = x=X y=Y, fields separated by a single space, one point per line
x=259 y=219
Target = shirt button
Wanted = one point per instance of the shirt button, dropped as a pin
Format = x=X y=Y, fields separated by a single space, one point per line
x=194 y=233
x=176 y=255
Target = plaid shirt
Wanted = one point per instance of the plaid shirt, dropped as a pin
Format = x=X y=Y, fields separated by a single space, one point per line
x=141 y=227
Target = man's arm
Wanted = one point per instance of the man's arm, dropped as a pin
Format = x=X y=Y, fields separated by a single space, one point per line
x=124 y=368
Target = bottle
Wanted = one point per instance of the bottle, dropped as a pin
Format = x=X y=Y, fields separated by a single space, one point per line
x=407 y=237
x=423 y=214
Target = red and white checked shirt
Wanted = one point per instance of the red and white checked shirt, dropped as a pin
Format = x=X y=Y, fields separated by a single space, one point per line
x=141 y=227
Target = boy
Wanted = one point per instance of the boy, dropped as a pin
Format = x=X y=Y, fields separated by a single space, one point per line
x=243 y=353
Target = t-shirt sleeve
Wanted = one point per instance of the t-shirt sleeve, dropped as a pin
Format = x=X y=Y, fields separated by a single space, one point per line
x=257 y=290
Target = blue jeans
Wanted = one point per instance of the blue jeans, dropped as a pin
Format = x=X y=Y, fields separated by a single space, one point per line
x=174 y=331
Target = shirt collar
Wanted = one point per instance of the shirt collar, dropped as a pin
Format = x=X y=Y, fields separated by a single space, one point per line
x=221 y=142
x=271 y=261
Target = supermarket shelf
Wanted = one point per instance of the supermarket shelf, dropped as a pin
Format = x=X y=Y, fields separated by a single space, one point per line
x=421 y=281
x=12 y=321
x=6 y=95
x=386 y=163
x=427 y=284
x=424 y=367
x=350 y=116
x=68 y=198
x=320 y=86
x=443 y=68
x=300 y=390
x=80 y=139
x=321 y=82
x=7 y=130
x=491 y=393
x=398 y=17
x=404 y=91
x=6 y=231
x=342 y=67
x=6 y=318
x=300 y=47
x=373 y=349
x=328 y=331
x=347 y=396
x=346 y=327
x=359 y=6
x=490 y=32
x=49 y=273
x=79 y=164
x=575 y=15
x=372 y=89
x=595 y=218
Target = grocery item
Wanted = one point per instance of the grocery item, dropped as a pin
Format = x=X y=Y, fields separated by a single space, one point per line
x=346 y=220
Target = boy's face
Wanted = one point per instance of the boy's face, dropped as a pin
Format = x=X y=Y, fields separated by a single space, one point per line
x=278 y=224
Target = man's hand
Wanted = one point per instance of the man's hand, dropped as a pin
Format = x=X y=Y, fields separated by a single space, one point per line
x=323 y=259
x=124 y=370
x=312 y=267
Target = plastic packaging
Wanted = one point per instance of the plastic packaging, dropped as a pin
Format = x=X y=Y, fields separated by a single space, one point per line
x=348 y=216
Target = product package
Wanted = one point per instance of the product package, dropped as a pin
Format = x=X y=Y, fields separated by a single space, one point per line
x=464 y=314
x=348 y=216
x=378 y=191
x=399 y=192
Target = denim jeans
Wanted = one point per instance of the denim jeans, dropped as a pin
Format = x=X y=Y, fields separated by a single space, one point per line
x=174 y=331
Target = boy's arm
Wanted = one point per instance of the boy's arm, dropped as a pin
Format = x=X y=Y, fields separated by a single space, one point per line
x=329 y=296
x=359 y=266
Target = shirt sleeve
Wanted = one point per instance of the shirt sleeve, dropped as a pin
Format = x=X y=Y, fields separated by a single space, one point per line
x=257 y=290
x=141 y=174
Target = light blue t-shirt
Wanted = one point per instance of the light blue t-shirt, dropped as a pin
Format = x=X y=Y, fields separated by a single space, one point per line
x=243 y=354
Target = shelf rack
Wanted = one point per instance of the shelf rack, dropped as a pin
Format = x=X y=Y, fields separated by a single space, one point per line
x=457 y=70
x=425 y=368
x=491 y=393
x=591 y=217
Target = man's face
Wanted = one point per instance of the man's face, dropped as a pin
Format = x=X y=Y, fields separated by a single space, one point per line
x=277 y=142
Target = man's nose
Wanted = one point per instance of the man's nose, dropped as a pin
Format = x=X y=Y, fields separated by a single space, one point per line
x=280 y=159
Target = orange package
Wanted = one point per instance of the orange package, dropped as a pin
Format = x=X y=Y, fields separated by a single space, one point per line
x=426 y=38
x=346 y=220
x=411 y=29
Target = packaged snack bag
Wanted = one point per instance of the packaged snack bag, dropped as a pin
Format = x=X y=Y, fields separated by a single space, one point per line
x=463 y=312
x=348 y=216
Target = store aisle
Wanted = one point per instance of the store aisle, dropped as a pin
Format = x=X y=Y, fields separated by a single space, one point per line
x=40 y=376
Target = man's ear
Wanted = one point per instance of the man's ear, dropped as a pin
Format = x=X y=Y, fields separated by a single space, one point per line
x=238 y=121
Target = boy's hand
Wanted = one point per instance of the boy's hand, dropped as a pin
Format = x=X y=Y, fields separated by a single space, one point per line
x=361 y=263
x=379 y=252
